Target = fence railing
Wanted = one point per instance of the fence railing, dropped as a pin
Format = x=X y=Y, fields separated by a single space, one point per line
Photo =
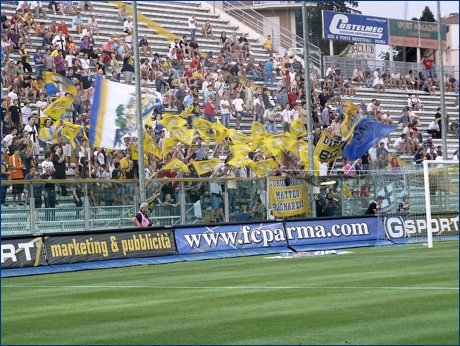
x=283 y=38
x=347 y=66
x=191 y=201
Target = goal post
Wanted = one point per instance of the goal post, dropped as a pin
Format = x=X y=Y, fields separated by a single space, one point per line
x=446 y=184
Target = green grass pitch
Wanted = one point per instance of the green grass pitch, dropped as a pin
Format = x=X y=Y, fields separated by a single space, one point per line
x=372 y=296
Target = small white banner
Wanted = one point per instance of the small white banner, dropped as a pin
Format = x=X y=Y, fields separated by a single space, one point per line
x=362 y=51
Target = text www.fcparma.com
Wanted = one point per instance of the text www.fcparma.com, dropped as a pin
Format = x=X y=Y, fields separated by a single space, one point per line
x=266 y=236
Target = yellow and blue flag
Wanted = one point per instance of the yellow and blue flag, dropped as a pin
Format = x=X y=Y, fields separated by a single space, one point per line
x=55 y=83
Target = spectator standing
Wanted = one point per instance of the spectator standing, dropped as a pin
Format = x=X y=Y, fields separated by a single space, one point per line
x=192 y=26
x=269 y=72
x=16 y=167
x=429 y=66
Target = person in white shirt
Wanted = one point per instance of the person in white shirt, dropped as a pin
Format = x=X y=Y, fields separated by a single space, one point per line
x=37 y=7
x=128 y=26
x=26 y=112
x=294 y=113
x=59 y=40
x=400 y=143
x=33 y=132
x=92 y=22
x=225 y=111
x=238 y=106
x=86 y=32
x=192 y=26
x=286 y=118
x=395 y=80
x=379 y=84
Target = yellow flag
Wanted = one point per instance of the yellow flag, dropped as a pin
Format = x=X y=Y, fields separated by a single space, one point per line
x=220 y=131
x=55 y=110
x=152 y=147
x=278 y=143
x=240 y=149
x=169 y=144
x=258 y=129
x=205 y=166
x=188 y=137
x=175 y=165
x=206 y=136
x=187 y=112
x=202 y=125
x=263 y=167
x=238 y=137
x=45 y=134
x=239 y=161
x=177 y=132
x=351 y=119
x=172 y=121
x=346 y=190
x=298 y=128
x=70 y=131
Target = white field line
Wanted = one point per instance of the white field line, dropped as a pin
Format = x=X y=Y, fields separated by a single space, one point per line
x=409 y=288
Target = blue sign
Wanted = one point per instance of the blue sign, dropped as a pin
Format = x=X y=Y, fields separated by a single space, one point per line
x=354 y=28
x=321 y=231
x=229 y=237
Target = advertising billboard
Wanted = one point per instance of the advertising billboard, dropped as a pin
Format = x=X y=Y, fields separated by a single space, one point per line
x=355 y=28
x=109 y=245
x=22 y=252
x=201 y=239
x=412 y=33
x=329 y=231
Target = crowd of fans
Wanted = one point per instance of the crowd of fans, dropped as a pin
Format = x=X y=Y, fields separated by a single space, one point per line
x=215 y=83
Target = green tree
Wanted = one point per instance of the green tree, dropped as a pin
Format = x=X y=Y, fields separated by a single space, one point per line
x=427 y=15
x=316 y=26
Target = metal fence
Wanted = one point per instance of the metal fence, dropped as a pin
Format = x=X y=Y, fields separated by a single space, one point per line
x=188 y=201
x=347 y=65
x=283 y=38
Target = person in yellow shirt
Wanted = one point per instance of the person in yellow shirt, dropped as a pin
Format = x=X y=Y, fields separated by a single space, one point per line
x=197 y=75
x=29 y=18
x=39 y=86
x=132 y=147
x=124 y=162
x=268 y=45
x=55 y=52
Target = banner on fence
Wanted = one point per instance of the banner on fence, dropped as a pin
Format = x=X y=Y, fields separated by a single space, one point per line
x=313 y=232
x=201 y=239
x=107 y=246
x=22 y=252
x=288 y=196
x=355 y=28
x=411 y=33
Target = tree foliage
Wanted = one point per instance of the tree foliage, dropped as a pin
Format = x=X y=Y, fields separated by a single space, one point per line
x=316 y=24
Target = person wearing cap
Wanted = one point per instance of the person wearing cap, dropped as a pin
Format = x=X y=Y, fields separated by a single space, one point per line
x=375 y=207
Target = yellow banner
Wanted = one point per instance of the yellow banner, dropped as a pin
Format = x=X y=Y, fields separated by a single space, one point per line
x=175 y=165
x=205 y=166
x=288 y=200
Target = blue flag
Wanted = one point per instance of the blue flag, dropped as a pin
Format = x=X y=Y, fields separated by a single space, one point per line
x=365 y=135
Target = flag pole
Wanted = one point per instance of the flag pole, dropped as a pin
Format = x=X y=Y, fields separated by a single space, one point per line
x=140 y=127
x=441 y=87
x=311 y=161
